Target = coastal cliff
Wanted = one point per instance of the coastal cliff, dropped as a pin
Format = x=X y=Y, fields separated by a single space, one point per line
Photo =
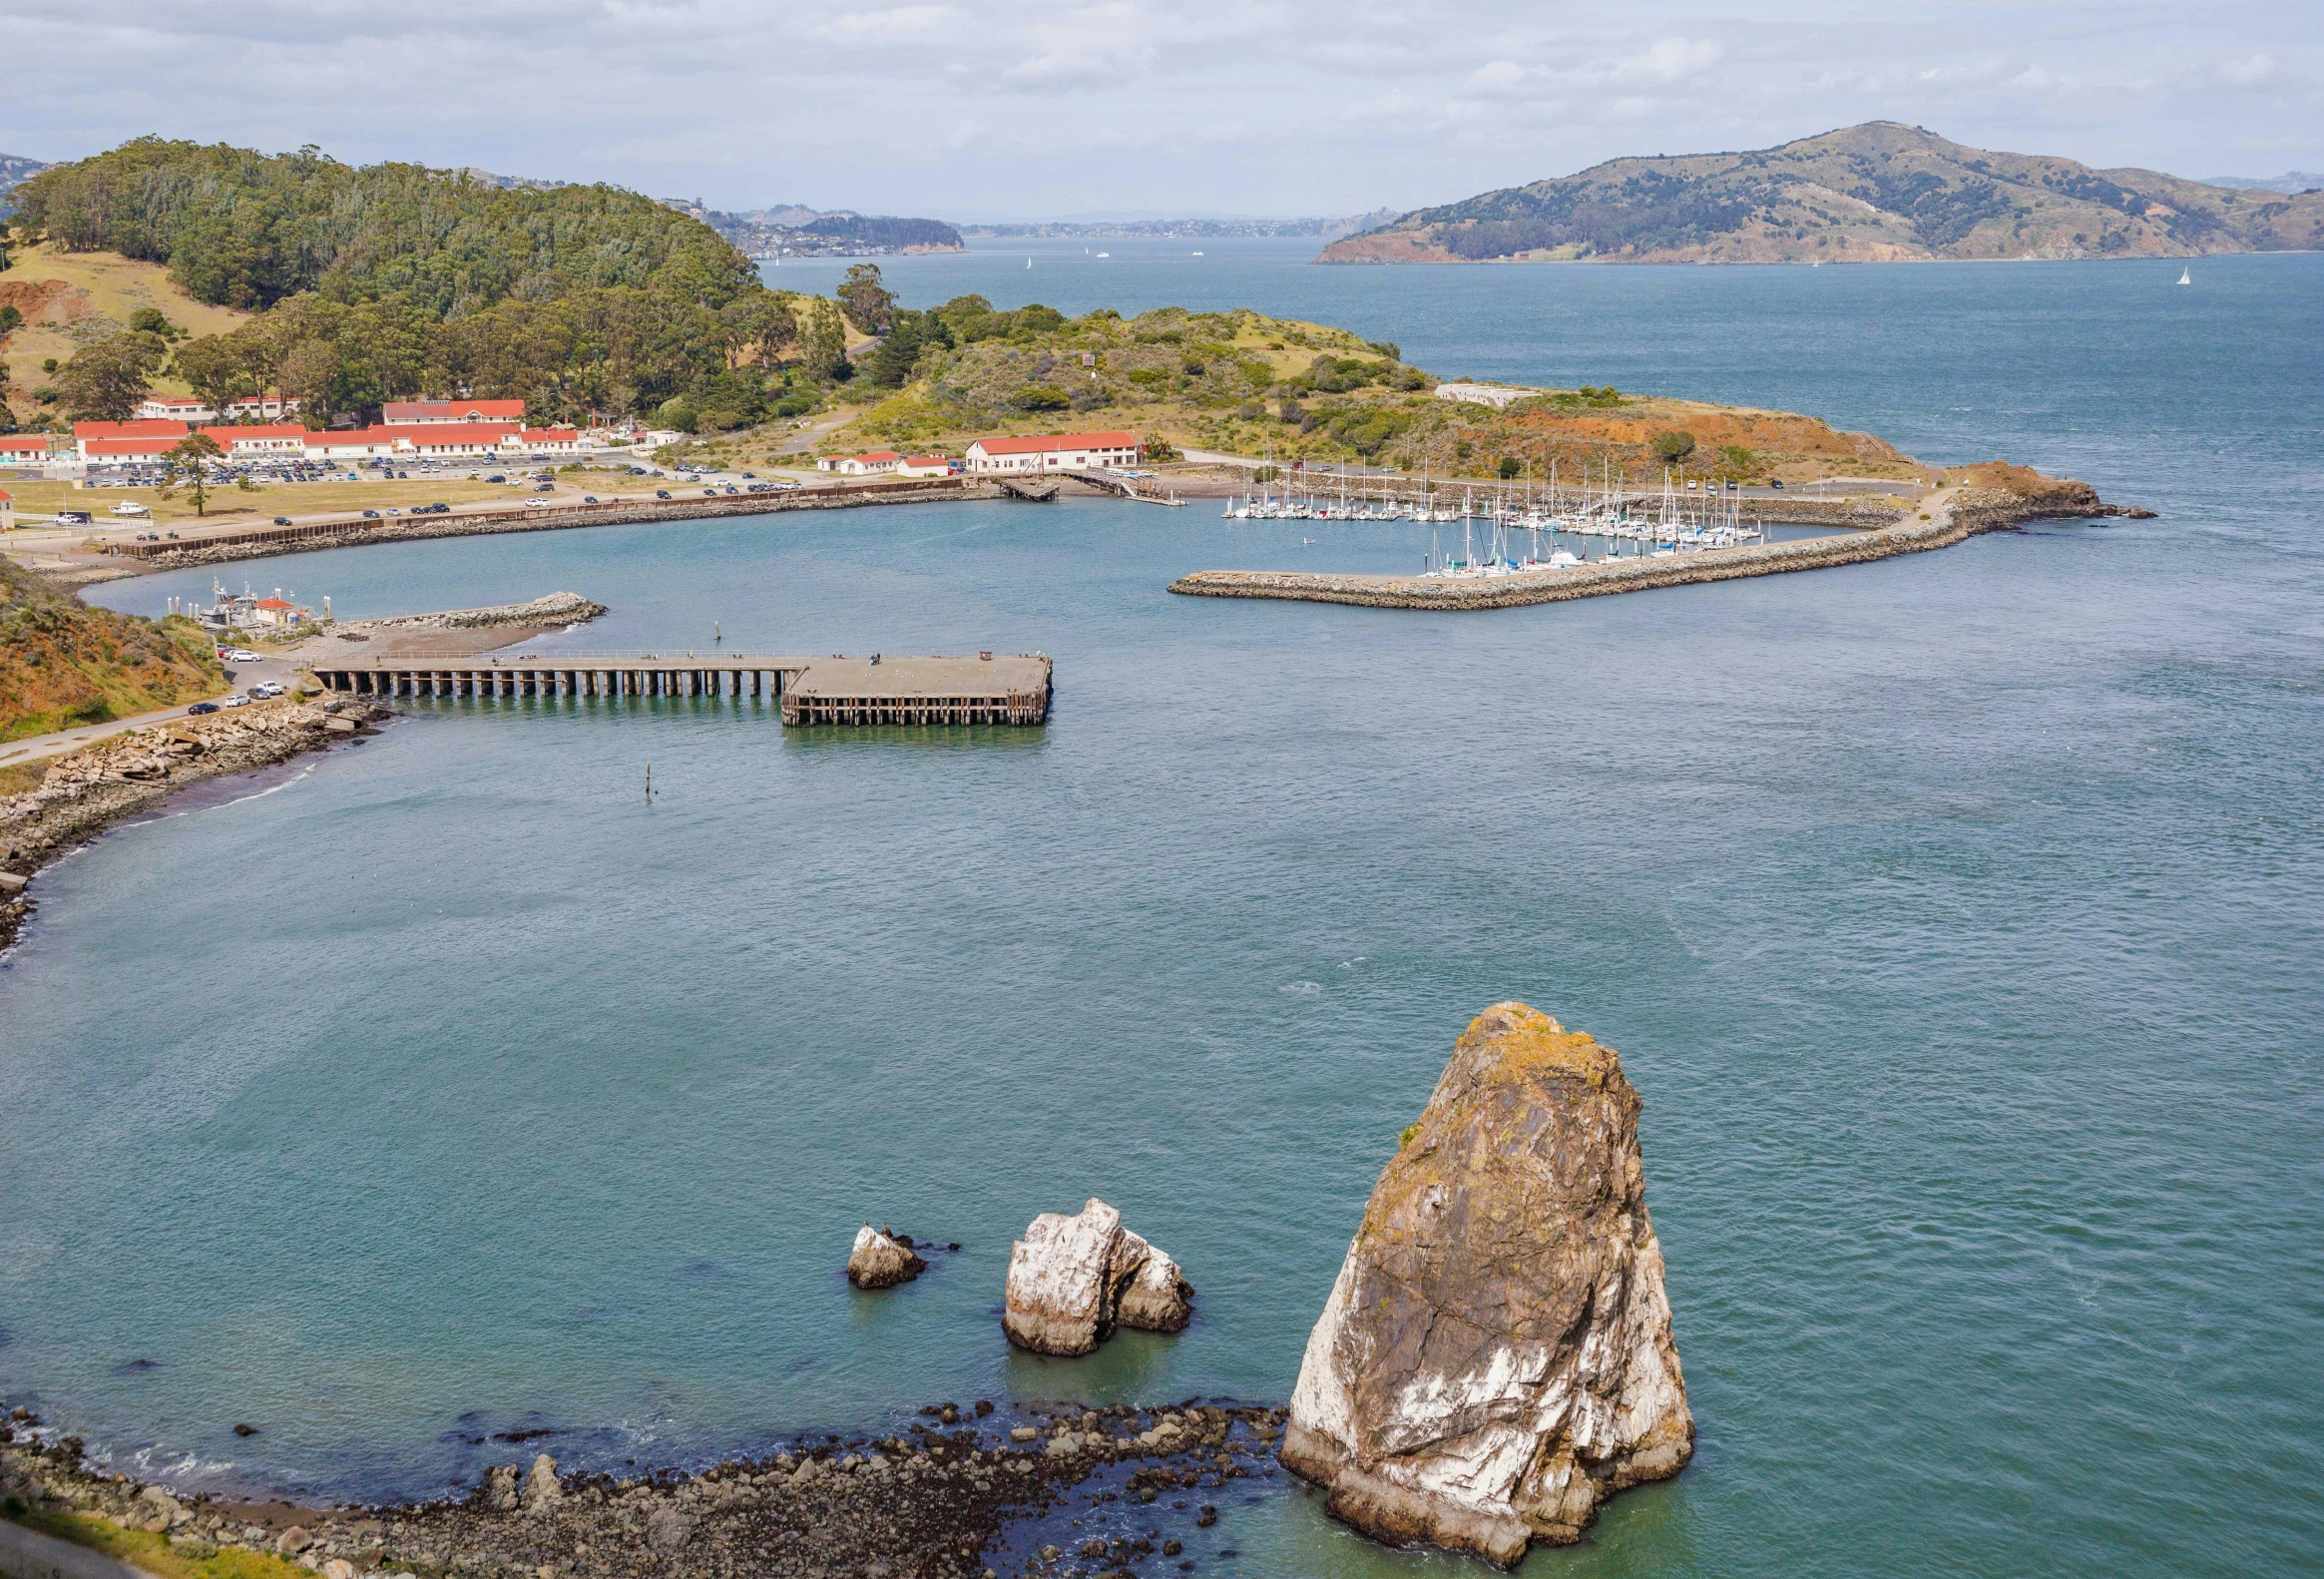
x=1496 y=1359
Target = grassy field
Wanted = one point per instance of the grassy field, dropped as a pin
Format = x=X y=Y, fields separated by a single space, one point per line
x=70 y=298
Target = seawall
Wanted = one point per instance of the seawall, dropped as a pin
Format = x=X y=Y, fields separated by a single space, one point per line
x=1963 y=514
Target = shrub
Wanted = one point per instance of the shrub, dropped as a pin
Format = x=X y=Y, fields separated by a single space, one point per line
x=1041 y=397
x=1509 y=468
x=1674 y=444
x=794 y=405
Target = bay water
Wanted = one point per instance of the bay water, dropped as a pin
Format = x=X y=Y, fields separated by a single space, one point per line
x=1960 y=918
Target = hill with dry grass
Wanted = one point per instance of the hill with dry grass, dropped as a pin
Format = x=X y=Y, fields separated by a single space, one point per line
x=63 y=663
x=1877 y=192
x=72 y=299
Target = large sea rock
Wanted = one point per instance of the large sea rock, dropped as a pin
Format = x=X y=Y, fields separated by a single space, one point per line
x=880 y=1261
x=1495 y=1358
x=1072 y=1280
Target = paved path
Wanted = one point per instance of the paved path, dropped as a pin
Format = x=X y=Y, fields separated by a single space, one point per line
x=39 y=748
x=28 y=1554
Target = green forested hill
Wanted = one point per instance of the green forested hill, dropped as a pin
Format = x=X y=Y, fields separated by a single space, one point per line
x=245 y=229
x=1877 y=192
x=385 y=282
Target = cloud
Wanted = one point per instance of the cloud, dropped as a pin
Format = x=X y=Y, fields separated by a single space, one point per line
x=2250 y=71
x=1670 y=60
x=912 y=21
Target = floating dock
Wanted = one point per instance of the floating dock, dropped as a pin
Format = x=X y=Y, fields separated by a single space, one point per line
x=980 y=689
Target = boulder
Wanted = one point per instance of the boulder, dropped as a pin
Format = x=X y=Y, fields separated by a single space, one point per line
x=1072 y=1280
x=1155 y=1297
x=1060 y=1290
x=296 y=1539
x=667 y=1529
x=1495 y=1358
x=498 y=1493
x=541 y=1489
x=880 y=1262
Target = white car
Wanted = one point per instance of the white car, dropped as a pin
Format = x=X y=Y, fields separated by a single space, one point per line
x=537 y=504
x=242 y=654
x=266 y=687
x=237 y=700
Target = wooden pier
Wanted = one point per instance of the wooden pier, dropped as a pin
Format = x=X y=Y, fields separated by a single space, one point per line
x=983 y=689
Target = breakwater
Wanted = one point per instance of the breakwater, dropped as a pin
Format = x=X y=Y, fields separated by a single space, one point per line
x=352 y=532
x=1951 y=519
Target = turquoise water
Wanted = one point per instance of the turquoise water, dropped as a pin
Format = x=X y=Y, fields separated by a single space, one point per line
x=1957 y=917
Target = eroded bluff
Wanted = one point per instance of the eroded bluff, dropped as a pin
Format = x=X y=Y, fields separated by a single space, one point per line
x=1495 y=1358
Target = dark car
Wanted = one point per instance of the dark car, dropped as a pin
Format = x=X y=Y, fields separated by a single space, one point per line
x=203 y=706
x=496 y=478
x=544 y=487
x=370 y=515
x=661 y=493
x=588 y=498
x=1775 y=482
x=283 y=520
x=710 y=492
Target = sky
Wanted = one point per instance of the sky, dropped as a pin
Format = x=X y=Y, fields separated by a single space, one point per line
x=970 y=109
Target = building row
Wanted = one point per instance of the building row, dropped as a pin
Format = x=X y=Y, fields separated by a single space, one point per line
x=1030 y=454
x=149 y=441
x=273 y=409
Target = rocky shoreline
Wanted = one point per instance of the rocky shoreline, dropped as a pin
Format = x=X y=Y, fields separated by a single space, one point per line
x=965 y=1492
x=1968 y=512
x=120 y=777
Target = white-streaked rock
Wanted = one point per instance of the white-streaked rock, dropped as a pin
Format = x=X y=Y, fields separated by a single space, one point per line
x=880 y=1262
x=1495 y=1357
x=1155 y=1297
x=1059 y=1299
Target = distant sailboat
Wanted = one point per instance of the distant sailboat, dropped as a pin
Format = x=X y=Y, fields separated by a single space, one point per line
x=2185 y=278
x=1104 y=254
x=1029 y=263
x=1197 y=255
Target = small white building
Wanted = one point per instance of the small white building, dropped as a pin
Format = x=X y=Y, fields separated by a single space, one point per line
x=924 y=466
x=871 y=463
x=174 y=408
x=7 y=512
x=1494 y=395
x=1054 y=452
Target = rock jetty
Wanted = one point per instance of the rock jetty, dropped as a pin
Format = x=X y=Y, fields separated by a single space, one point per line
x=1496 y=1359
x=81 y=794
x=1072 y=1280
x=881 y=1261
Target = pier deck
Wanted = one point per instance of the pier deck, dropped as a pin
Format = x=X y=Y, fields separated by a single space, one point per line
x=982 y=689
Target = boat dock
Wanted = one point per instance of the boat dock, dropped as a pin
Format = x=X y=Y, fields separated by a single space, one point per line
x=979 y=688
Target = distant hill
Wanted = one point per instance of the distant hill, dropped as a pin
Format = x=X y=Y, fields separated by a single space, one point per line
x=803 y=232
x=1197 y=228
x=2291 y=181
x=1877 y=192
x=13 y=168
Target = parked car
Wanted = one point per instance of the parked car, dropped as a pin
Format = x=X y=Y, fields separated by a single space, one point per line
x=1775 y=482
x=241 y=655
x=71 y=518
x=370 y=515
x=661 y=493
x=588 y=498
x=283 y=520
x=544 y=487
x=203 y=706
x=266 y=687
x=538 y=504
x=237 y=700
x=438 y=508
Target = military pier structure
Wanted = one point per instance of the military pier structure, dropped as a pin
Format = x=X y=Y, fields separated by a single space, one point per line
x=978 y=688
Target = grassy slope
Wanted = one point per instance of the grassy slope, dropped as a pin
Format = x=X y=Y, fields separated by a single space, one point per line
x=63 y=662
x=1248 y=359
x=1876 y=193
x=100 y=292
x=155 y=1554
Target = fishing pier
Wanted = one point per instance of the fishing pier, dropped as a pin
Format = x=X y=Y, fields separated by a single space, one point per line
x=979 y=688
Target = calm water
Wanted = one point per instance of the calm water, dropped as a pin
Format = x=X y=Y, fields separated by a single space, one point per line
x=1958 y=919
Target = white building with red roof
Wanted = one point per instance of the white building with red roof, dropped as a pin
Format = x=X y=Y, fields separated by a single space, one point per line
x=925 y=466
x=410 y=414
x=24 y=450
x=149 y=435
x=263 y=441
x=871 y=462
x=1054 y=452
x=176 y=408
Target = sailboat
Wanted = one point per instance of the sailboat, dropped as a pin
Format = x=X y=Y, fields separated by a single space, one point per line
x=1029 y=263
x=2185 y=278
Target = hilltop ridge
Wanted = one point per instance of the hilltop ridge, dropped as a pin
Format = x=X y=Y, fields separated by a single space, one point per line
x=1876 y=193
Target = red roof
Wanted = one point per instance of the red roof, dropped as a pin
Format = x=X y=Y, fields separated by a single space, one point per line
x=233 y=434
x=878 y=454
x=374 y=434
x=927 y=461
x=25 y=444
x=148 y=427
x=550 y=435
x=158 y=445
x=1041 y=443
x=272 y=603
x=451 y=410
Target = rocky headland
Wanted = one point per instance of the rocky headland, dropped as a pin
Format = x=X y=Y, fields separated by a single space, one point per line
x=1495 y=1358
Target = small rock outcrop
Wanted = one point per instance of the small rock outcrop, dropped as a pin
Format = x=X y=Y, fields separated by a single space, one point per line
x=1072 y=1280
x=880 y=1261
x=541 y=1492
x=1495 y=1358
x=498 y=1493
